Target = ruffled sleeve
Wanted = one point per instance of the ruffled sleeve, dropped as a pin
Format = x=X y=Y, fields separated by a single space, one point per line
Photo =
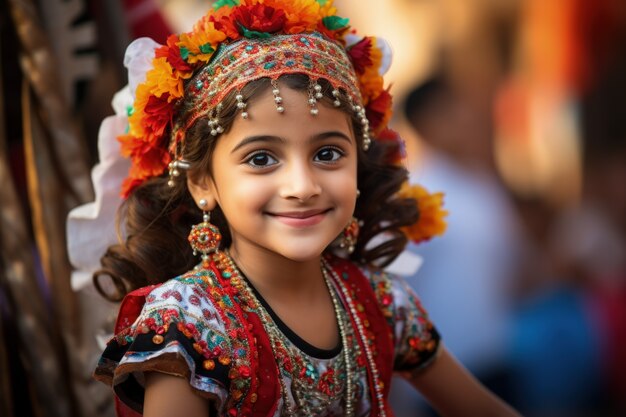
x=177 y=331
x=416 y=340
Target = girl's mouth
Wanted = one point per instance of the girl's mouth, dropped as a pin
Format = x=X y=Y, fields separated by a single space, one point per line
x=305 y=218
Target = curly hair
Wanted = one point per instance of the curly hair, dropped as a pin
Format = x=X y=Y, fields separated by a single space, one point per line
x=153 y=223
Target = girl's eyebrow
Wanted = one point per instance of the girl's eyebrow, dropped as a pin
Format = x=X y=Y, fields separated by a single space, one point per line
x=258 y=138
x=278 y=139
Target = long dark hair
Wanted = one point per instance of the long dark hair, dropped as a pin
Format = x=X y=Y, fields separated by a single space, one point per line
x=155 y=219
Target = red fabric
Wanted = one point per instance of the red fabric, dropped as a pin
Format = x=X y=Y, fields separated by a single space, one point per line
x=129 y=311
x=269 y=389
x=122 y=410
x=145 y=19
x=131 y=307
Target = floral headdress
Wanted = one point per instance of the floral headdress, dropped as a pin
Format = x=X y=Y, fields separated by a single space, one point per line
x=191 y=61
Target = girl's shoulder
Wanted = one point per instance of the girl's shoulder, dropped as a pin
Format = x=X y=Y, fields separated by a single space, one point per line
x=194 y=305
x=390 y=290
x=189 y=326
x=415 y=338
x=186 y=294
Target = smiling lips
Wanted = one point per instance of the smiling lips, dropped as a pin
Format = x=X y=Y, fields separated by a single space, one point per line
x=300 y=218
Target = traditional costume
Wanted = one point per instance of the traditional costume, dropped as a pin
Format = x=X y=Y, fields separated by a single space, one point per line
x=210 y=325
x=213 y=328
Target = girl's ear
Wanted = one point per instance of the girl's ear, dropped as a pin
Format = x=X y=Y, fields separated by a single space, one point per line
x=202 y=188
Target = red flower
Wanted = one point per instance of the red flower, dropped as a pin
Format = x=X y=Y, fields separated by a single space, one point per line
x=171 y=52
x=260 y=18
x=360 y=55
x=389 y=135
x=149 y=161
x=378 y=111
x=226 y=25
x=158 y=114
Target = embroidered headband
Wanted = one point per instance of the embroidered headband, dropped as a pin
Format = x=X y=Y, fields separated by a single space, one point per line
x=240 y=41
x=235 y=65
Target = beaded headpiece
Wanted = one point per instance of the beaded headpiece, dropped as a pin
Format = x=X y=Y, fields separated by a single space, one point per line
x=240 y=41
x=235 y=65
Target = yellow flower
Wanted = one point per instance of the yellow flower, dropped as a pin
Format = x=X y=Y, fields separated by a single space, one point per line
x=302 y=15
x=328 y=9
x=135 y=120
x=200 y=44
x=431 y=220
x=371 y=82
x=163 y=79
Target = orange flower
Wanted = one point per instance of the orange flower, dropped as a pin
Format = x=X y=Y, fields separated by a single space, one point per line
x=162 y=79
x=222 y=21
x=302 y=15
x=328 y=9
x=431 y=220
x=171 y=52
x=200 y=45
x=371 y=81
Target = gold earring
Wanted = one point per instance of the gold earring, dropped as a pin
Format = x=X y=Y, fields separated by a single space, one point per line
x=350 y=235
x=204 y=237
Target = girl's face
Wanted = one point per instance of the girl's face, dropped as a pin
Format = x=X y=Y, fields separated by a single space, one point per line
x=286 y=183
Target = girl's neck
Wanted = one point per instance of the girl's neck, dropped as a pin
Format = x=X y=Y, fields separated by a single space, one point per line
x=276 y=276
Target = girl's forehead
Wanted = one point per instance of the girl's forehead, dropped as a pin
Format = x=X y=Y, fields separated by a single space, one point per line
x=295 y=122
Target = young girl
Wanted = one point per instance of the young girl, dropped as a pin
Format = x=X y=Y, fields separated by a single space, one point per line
x=266 y=125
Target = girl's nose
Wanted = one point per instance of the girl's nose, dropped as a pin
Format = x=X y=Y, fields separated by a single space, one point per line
x=300 y=183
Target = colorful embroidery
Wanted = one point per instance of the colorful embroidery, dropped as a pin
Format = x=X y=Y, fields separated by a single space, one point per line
x=205 y=318
x=239 y=63
x=415 y=337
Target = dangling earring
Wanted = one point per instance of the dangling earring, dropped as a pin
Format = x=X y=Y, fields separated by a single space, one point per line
x=204 y=237
x=349 y=235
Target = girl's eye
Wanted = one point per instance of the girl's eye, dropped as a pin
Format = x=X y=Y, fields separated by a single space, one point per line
x=261 y=159
x=328 y=155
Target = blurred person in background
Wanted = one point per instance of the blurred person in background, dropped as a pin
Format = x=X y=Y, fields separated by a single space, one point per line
x=569 y=336
x=467 y=274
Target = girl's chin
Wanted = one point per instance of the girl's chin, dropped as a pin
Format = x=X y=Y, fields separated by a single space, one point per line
x=301 y=252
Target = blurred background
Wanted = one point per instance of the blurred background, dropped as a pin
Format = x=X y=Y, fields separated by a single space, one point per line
x=513 y=108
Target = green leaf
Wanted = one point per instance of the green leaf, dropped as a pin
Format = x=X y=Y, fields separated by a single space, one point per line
x=253 y=34
x=221 y=3
x=206 y=48
x=335 y=22
x=184 y=53
x=322 y=2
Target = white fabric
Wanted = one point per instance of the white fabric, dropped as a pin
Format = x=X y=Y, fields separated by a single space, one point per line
x=383 y=45
x=138 y=60
x=91 y=227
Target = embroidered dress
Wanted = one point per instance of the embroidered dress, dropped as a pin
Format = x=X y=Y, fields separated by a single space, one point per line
x=212 y=327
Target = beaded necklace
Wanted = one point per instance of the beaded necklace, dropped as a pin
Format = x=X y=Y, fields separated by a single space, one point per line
x=360 y=329
x=280 y=353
